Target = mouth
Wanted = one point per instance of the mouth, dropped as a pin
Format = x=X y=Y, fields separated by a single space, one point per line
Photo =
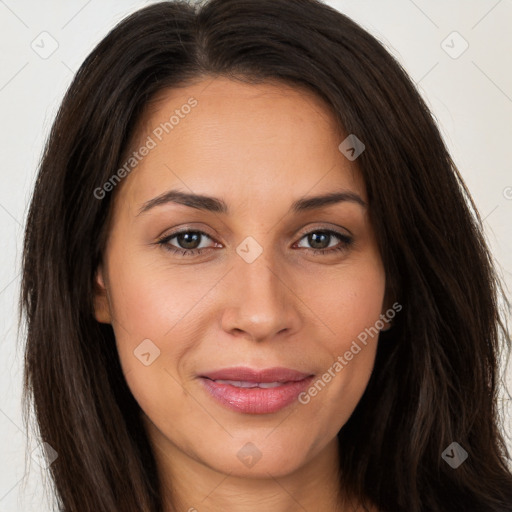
x=247 y=384
x=253 y=391
x=275 y=374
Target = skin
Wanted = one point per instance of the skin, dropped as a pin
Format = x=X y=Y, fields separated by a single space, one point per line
x=258 y=148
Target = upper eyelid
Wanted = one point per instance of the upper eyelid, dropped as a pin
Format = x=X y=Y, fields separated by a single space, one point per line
x=189 y=230
x=337 y=230
x=301 y=235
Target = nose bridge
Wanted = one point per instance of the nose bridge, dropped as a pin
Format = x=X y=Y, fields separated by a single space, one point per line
x=261 y=304
x=260 y=280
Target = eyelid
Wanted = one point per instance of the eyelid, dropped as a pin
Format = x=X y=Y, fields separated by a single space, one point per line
x=173 y=234
x=344 y=239
x=185 y=229
x=329 y=227
x=303 y=232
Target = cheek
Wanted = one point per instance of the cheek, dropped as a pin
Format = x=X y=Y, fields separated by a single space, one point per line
x=151 y=300
x=155 y=312
x=350 y=307
x=349 y=303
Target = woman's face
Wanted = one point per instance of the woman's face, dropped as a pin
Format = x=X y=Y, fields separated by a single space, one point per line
x=280 y=280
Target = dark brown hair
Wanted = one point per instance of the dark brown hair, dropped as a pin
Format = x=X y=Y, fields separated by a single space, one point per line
x=436 y=374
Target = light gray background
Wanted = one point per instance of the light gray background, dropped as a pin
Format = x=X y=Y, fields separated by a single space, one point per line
x=471 y=97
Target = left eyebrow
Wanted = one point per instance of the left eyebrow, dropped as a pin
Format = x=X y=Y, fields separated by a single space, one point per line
x=314 y=202
x=216 y=205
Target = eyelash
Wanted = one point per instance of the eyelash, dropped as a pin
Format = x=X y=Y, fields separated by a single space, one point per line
x=345 y=240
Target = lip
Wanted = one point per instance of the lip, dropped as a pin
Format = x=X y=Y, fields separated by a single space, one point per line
x=244 y=373
x=256 y=400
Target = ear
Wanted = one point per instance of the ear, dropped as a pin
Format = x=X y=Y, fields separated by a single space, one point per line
x=101 y=302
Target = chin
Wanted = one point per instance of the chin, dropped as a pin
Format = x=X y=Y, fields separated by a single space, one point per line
x=256 y=459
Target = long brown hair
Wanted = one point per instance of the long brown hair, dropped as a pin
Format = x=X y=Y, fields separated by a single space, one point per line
x=436 y=374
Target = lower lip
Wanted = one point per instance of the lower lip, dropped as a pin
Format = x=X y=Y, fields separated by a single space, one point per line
x=256 y=400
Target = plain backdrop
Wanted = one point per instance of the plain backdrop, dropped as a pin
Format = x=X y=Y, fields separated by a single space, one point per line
x=458 y=52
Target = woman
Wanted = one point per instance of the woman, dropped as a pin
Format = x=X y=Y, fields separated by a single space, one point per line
x=254 y=279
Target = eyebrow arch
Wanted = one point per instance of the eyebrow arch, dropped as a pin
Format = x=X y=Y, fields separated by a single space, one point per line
x=314 y=202
x=213 y=204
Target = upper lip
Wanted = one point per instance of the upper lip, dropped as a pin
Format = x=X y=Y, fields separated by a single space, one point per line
x=246 y=374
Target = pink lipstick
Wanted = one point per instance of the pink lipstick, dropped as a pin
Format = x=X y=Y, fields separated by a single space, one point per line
x=254 y=391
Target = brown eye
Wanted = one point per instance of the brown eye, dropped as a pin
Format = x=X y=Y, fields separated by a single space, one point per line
x=189 y=239
x=324 y=241
x=319 y=239
x=187 y=243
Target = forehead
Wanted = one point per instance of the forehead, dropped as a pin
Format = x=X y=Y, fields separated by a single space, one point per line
x=231 y=138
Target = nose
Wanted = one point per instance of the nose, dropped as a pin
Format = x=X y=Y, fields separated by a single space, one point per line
x=260 y=302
